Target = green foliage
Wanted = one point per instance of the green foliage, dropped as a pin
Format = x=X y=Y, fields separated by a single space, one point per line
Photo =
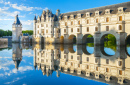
x=5 y=33
x=30 y=32
x=90 y=44
x=89 y=36
x=111 y=42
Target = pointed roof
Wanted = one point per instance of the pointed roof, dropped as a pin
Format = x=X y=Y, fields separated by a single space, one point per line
x=35 y=18
x=17 y=21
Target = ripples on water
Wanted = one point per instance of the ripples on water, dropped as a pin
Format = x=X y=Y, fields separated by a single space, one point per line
x=23 y=72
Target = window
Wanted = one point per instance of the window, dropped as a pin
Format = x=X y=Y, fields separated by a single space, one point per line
x=120 y=18
x=87 y=59
x=65 y=63
x=64 y=30
x=79 y=22
x=71 y=22
x=120 y=27
x=96 y=60
x=96 y=20
x=43 y=31
x=46 y=25
x=64 y=56
x=78 y=65
x=77 y=58
x=97 y=68
x=107 y=61
x=107 y=70
x=42 y=25
x=120 y=63
x=71 y=29
x=71 y=57
x=107 y=19
x=46 y=31
x=87 y=21
x=59 y=30
x=46 y=60
x=120 y=72
x=87 y=29
x=71 y=64
x=107 y=28
x=38 y=32
x=96 y=28
x=38 y=26
x=65 y=23
x=87 y=66
x=78 y=30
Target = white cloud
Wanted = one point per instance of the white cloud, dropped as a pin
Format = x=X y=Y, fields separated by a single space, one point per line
x=22 y=7
x=28 y=22
x=6 y=19
x=1 y=1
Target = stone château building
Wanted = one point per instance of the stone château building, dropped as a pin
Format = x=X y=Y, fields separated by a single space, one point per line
x=100 y=21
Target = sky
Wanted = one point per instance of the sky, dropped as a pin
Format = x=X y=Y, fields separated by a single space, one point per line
x=26 y=9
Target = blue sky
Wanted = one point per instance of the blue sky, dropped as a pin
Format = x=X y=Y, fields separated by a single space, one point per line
x=26 y=9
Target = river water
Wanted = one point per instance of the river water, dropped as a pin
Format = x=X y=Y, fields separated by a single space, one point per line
x=25 y=64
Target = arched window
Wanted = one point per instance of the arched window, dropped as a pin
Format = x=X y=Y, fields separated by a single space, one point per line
x=65 y=23
x=97 y=68
x=107 y=69
x=107 y=19
x=87 y=66
x=87 y=29
x=120 y=27
x=78 y=65
x=71 y=22
x=107 y=28
x=64 y=30
x=87 y=21
x=71 y=29
x=120 y=72
x=96 y=28
x=96 y=20
x=42 y=25
x=79 y=22
x=78 y=30
x=120 y=18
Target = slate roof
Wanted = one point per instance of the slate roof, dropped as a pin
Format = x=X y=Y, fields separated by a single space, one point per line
x=17 y=21
x=113 y=10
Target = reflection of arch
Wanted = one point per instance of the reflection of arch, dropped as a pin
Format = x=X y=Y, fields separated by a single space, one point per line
x=102 y=40
x=72 y=39
x=87 y=40
x=113 y=79
x=85 y=50
x=127 y=40
x=70 y=48
x=62 y=39
x=101 y=76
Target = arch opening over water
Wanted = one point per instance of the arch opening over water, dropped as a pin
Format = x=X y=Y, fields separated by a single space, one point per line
x=127 y=43
x=108 y=44
x=72 y=39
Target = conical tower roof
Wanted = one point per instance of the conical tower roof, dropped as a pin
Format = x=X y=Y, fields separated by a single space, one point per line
x=17 y=21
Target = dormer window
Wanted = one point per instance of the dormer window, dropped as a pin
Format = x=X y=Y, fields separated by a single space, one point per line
x=79 y=15
x=107 y=11
x=120 y=9
x=87 y=14
x=96 y=13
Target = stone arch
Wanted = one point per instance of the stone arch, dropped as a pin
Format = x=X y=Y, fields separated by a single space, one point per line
x=72 y=39
x=85 y=39
x=71 y=49
x=85 y=51
x=102 y=39
x=127 y=43
x=62 y=39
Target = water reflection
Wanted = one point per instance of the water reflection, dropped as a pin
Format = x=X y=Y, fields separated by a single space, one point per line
x=97 y=66
x=84 y=61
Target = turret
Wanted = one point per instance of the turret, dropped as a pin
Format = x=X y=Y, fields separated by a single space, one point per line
x=16 y=30
x=58 y=12
x=34 y=25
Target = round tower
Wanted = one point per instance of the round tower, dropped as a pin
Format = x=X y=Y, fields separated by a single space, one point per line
x=16 y=30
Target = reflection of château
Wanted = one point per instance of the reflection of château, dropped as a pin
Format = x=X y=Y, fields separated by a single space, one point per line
x=97 y=66
x=17 y=52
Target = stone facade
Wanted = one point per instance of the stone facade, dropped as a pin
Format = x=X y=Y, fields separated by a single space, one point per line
x=97 y=66
x=61 y=28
